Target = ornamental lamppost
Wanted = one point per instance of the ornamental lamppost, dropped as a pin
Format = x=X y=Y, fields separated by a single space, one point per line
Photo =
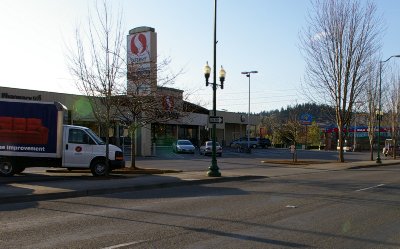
x=379 y=112
x=379 y=116
x=248 y=114
x=213 y=169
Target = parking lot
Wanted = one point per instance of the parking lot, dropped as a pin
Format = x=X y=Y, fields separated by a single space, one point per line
x=271 y=153
x=231 y=158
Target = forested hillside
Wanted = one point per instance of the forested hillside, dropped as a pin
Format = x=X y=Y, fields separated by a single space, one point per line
x=320 y=113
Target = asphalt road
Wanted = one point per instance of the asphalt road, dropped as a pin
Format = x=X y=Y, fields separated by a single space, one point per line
x=335 y=209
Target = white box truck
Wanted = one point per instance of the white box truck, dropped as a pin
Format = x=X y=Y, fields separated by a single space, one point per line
x=33 y=134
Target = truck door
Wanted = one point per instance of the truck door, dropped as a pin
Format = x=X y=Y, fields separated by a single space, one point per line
x=78 y=149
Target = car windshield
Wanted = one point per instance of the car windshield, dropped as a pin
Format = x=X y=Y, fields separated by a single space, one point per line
x=210 y=143
x=184 y=142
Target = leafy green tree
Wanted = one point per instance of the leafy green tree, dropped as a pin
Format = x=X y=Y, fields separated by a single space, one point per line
x=314 y=134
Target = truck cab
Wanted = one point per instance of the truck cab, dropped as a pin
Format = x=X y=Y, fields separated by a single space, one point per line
x=82 y=148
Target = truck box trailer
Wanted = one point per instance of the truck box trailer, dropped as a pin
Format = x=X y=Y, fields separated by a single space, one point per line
x=33 y=134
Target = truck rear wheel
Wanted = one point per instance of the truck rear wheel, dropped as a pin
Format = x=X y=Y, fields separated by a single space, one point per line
x=99 y=168
x=7 y=168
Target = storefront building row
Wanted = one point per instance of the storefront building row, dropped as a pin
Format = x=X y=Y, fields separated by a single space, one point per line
x=193 y=125
x=355 y=137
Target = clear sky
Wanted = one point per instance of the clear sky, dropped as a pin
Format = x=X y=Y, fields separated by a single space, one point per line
x=257 y=35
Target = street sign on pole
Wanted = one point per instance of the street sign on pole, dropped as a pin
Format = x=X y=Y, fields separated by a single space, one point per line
x=216 y=120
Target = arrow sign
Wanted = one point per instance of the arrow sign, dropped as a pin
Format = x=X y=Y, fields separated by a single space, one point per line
x=216 y=120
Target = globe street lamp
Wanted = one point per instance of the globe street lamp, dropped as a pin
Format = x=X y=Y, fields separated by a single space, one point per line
x=248 y=114
x=213 y=169
x=379 y=112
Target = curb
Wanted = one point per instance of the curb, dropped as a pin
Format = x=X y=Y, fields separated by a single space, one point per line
x=374 y=165
x=145 y=171
x=91 y=192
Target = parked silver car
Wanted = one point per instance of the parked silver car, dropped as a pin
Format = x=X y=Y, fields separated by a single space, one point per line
x=183 y=146
x=207 y=148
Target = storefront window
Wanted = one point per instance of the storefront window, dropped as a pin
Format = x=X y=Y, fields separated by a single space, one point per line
x=163 y=134
x=189 y=133
x=166 y=134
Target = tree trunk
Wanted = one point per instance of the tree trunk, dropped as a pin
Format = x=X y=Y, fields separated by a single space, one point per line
x=133 y=154
x=133 y=150
x=371 y=150
x=341 y=155
x=394 y=147
x=107 y=171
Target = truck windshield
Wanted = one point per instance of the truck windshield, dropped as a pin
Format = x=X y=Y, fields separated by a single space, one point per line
x=95 y=137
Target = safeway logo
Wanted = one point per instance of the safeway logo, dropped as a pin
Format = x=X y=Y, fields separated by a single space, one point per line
x=138 y=44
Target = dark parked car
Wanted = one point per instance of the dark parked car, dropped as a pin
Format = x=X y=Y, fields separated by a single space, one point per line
x=243 y=142
x=264 y=142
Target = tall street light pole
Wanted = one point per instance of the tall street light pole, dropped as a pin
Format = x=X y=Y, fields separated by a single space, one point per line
x=248 y=73
x=213 y=169
x=379 y=113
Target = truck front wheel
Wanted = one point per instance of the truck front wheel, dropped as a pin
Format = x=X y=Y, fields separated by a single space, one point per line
x=99 y=168
x=7 y=168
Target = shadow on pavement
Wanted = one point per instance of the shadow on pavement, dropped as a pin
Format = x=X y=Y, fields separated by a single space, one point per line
x=8 y=191
x=38 y=187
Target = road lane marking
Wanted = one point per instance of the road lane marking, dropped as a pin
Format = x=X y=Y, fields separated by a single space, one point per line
x=377 y=186
x=125 y=244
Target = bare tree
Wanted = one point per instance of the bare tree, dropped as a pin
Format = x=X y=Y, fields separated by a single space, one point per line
x=371 y=96
x=97 y=64
x=341 y=37
x=393 y=94
x=158 y=105
x=292 y=130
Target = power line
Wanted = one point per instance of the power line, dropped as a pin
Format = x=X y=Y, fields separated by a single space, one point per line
x=253 y=92
x=254 y=103
x=264 y=97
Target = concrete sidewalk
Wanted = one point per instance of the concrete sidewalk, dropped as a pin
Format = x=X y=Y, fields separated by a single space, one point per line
x=47 y=186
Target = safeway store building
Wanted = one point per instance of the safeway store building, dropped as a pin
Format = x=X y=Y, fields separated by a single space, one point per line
x=193 y=125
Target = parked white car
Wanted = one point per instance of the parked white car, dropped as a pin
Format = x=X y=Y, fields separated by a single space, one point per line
x=207 y=148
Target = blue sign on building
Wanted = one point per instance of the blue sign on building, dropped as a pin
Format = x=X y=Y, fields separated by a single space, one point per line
x=306 y=119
